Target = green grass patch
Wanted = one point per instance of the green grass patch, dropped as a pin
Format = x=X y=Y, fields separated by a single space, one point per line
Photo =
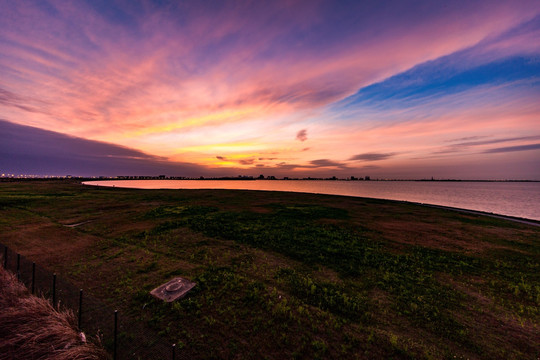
x=282 y=275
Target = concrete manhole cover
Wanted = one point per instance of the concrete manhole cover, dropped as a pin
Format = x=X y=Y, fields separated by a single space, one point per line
x=175 y=289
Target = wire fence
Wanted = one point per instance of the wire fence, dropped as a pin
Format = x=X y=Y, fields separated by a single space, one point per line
x=122 y=336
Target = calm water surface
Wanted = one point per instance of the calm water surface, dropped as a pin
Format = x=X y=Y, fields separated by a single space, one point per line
x=521 y=199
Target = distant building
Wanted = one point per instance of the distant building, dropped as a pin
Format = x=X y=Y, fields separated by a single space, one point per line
x=367 y=178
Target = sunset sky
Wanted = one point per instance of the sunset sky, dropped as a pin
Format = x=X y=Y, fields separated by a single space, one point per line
x=390 y=89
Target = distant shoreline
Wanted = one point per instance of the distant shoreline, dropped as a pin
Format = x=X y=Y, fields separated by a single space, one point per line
x=243 y=178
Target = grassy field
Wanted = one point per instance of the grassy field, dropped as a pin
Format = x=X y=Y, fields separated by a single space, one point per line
x=283 y=275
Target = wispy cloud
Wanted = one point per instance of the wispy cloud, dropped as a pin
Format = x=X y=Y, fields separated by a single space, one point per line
x=506 y=58
x=467 y=145
x=372 y=156
x=10 y=99
x=327 y=163
x=467 y=138
x=496 y=141
x=513 y=148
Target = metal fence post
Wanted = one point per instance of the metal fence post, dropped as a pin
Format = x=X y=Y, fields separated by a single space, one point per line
x=54 y=290
x=80 y=307
x=33 y=277
x=115 y=332
x=19 y=267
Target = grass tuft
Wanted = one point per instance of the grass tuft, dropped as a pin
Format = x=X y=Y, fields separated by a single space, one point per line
x=32 y=329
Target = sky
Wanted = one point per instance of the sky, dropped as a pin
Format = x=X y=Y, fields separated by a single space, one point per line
x=387 y=89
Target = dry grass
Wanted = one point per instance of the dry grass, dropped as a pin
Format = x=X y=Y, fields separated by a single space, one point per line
x=30 y=328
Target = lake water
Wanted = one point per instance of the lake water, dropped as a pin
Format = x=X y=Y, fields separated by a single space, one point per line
x=520 y=199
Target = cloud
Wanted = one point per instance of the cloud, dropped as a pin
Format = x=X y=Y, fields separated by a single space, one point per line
x=513 y=148
x=372 y=156
x=302 y=135
x=155 y=70
x=504 y=57
x=181 y=79
x=29 y=150
x=246 y=161
x=463 y=146
x=249 y=161
x=495 y=141
x=467 y=138
x=8 y=98
x=327 y=163
x=288 y=167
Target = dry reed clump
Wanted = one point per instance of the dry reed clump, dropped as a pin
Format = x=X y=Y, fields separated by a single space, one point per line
x=30 y=328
